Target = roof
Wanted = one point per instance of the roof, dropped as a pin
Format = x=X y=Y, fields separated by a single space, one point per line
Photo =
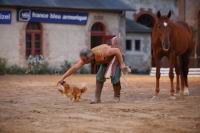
x=112 y=5
x=134 y=27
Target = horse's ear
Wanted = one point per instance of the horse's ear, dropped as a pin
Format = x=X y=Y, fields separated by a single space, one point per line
x=158 y=14
x=169 y=14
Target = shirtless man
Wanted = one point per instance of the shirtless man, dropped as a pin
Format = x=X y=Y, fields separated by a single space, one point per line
x=102 y=55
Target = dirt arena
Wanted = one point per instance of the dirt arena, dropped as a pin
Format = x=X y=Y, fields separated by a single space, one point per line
x=32 y=104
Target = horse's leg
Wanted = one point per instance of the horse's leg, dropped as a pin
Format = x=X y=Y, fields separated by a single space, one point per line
x=157 y=90
x=177 y=66
x=171 y=72
x=181 y=74
x=185 y=74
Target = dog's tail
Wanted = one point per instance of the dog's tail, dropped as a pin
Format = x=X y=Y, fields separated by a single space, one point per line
x=83 y=90
x=61 y=91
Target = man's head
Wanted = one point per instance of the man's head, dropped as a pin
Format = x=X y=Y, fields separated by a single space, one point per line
x=86 y=55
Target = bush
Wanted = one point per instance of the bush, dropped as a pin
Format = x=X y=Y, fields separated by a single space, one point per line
x=65 y=66
x=15 y=70
x=3 y=63
x=37 y=65
x=53 y=70
x=84 y=70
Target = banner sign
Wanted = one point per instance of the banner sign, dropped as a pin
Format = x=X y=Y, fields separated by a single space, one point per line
x=5 y=17
x=52 y=17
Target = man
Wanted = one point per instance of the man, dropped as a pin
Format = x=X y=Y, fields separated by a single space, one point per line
x=103 y=55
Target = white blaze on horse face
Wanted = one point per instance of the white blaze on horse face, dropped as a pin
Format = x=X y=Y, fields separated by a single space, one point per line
x=165 y=24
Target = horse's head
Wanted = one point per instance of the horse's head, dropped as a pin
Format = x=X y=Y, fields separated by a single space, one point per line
x=163 y=28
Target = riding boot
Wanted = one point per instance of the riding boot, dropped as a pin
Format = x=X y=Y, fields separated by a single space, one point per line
x=99 y=86
x=117 y=89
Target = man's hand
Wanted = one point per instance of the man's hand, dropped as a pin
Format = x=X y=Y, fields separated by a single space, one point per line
x=60 y=82
x=122 y=66
x=125 y=69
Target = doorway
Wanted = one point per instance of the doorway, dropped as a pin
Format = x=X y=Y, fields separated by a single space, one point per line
x=98 y=37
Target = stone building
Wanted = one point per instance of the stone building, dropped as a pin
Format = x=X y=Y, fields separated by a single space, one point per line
x=145 y=14
x=189 y=11
x=58 y=30
x=138 y=46
x=184 y=10
x=146 y=10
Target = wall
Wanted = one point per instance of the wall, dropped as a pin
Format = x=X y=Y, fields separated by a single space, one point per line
x=60 y=41
x=153 y=5
x=10 y=40
x=141 y=60
x=192 y=10
x=65 y=41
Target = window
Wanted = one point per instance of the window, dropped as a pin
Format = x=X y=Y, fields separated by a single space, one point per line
x=33 y=39
x=137 y=45
x=128 y=45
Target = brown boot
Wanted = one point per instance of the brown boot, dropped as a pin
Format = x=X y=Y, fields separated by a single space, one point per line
x=117 y=89
x=99 y=86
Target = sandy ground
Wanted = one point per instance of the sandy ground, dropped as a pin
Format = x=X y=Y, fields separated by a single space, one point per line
x=30 y=104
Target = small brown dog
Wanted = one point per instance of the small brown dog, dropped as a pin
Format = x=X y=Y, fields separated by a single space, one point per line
x=73 y=92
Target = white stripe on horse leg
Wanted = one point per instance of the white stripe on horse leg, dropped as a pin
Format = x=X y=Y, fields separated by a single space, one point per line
x=186 y=91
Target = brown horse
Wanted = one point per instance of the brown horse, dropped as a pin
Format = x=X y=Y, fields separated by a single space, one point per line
x=173 y=40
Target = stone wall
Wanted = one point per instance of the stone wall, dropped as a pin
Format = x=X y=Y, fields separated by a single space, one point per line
x=60 y=41
x=139 y=60
x=153 y=6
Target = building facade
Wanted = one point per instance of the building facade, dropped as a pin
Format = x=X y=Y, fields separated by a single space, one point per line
x=39 y=31
x=87 y=24
x=189 y=11
x=182 y=10
x=138 y=47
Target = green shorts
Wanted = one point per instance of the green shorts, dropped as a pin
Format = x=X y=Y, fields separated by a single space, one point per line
x=101 y=72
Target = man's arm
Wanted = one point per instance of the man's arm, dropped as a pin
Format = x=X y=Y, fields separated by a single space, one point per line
x=72 y=70
x=116 y=52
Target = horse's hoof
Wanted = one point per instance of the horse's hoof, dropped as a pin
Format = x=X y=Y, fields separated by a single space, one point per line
x=186 y=92
x=172 y=97
x=177 y=94
x=181 y=93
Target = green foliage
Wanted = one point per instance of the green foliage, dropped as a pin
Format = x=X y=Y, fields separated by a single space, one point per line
x=15 y=70
x=3 y=63
x=37 y=65
x=65 y=66
x=84 y=70
x=38 y=69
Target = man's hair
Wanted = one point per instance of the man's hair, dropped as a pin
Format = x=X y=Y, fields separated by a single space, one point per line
x=86 y=52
